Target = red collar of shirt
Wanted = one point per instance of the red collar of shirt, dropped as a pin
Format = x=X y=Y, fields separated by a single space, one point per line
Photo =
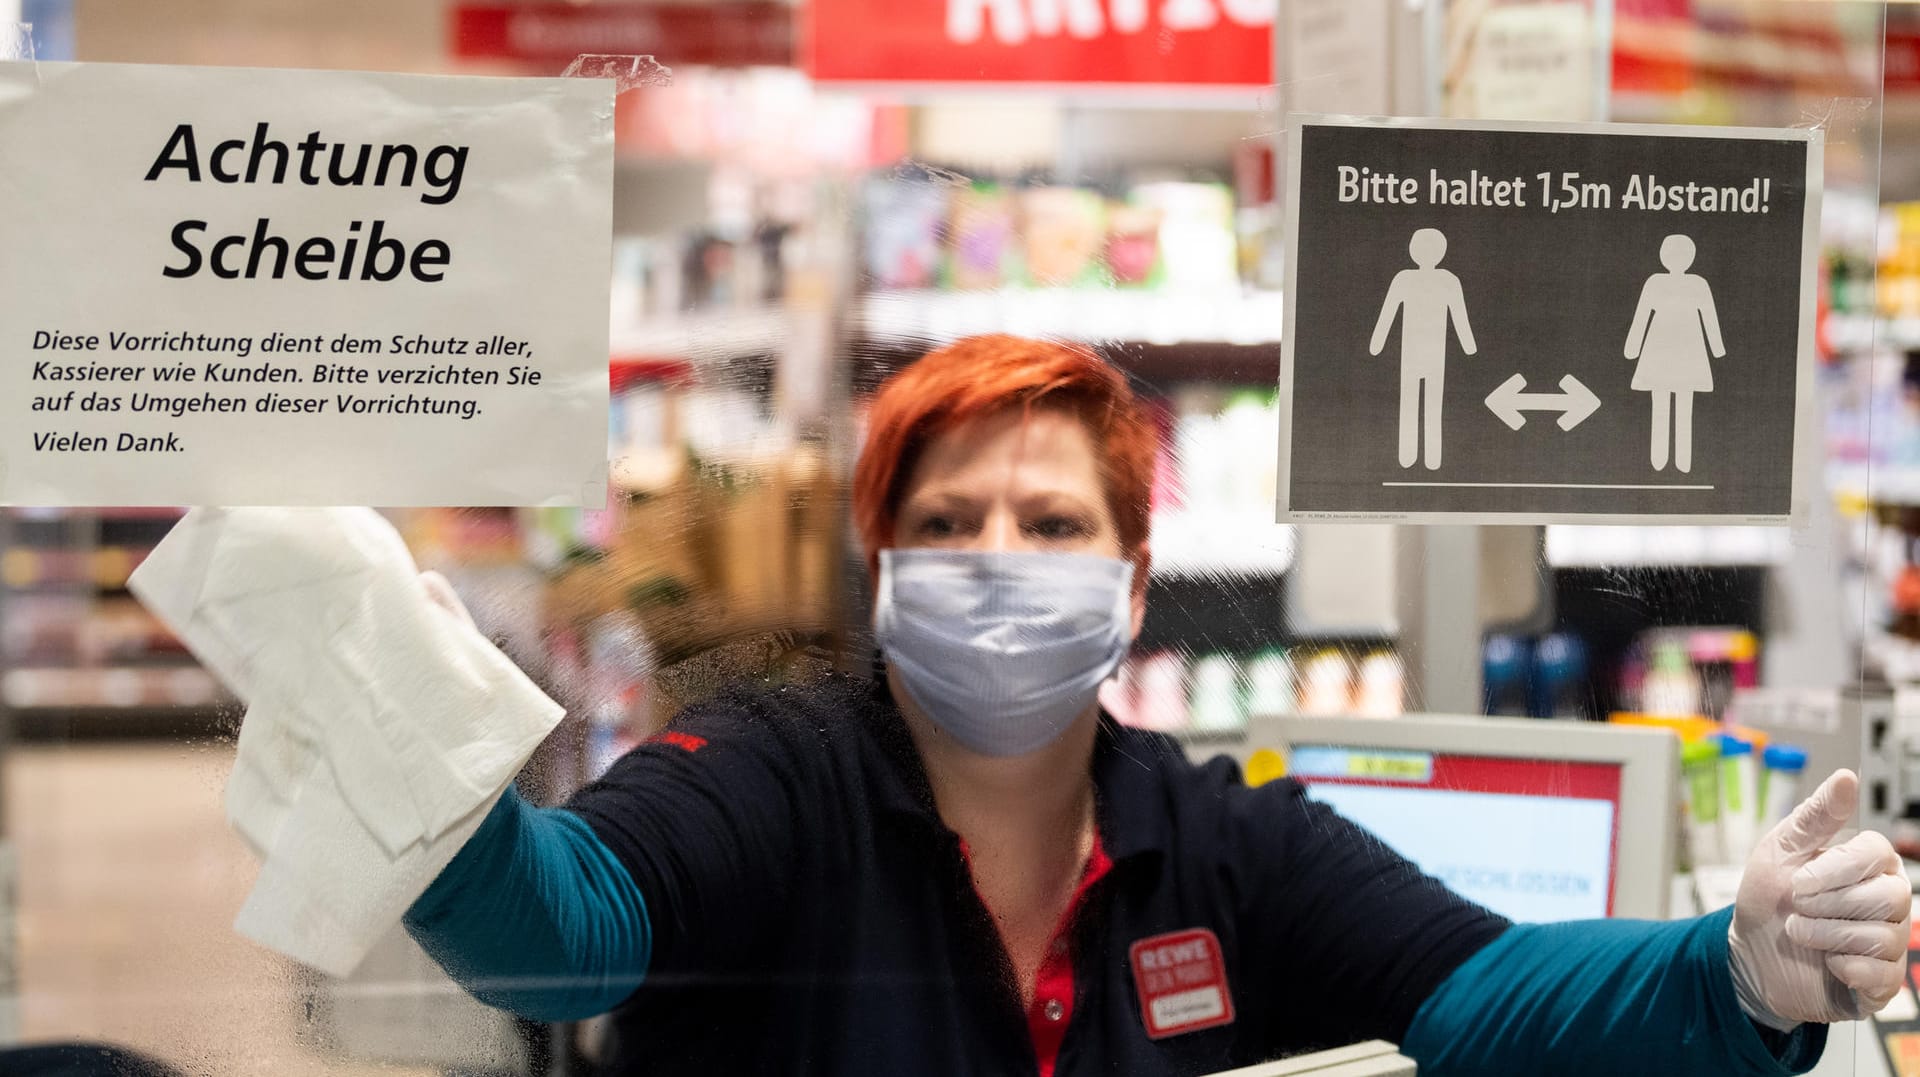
x=1053 y=988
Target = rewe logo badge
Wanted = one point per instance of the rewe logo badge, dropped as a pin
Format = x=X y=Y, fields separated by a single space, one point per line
x=1181 y=979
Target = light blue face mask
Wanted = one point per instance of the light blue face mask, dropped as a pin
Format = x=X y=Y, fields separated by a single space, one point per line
x=1003 y=650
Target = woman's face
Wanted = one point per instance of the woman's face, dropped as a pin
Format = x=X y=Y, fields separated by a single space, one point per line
x=1017 y=481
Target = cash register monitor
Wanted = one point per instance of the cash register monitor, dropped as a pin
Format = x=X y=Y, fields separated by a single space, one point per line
x=1537 y=820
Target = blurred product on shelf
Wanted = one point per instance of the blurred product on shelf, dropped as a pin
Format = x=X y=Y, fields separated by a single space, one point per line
x=1063 y=232
x=1197 y=242
x=1735 y=783
x=1133 y=244
x=468 y=537
x=1873 y=429
x=1739 y=794
x=1853 y=230
x=1162 y=683
x=904 y=222
x=1170 y=235
x=1784 y=766
x=1884 y=570
x=1700 y=788
x=71 y=638
x=1904 y=603
x=663 y=278
x=1559 y=678
x=1871 y=340
x=1544 y=678
x=1217 y=702
x=1270 y=684
x=981 y=242
x=1257 y=220
x=1504 y=666
x=712 y=554
x=1214 y=484
x=1219 y=691
x=1897 y=295
x=1326 y=680
x=1380 y=690
x=1688 y=672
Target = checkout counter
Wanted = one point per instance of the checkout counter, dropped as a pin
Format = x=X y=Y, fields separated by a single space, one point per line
x=1551 y=820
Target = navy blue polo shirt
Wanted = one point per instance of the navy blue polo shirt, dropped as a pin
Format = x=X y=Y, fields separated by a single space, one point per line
x=813 y=915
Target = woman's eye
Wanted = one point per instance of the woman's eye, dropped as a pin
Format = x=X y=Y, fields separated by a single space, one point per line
x=1060 y=527
x=937 y=527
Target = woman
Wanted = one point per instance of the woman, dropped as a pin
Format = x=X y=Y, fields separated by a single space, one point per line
x=1675 y=329
x=963 y=868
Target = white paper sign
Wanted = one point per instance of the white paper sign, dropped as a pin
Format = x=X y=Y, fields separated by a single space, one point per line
x=261 y=287
x=1338 y=56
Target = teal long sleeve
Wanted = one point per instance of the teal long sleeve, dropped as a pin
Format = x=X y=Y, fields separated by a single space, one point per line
x=1601 y=997
x=535 y=916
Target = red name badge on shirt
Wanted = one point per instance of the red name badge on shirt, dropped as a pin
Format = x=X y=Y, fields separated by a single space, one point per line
x=1182 y=982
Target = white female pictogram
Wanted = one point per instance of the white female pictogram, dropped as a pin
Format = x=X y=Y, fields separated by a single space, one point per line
x=1675 y=334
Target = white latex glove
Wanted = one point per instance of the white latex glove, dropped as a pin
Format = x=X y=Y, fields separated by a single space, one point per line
x=1820 y=934
x=444 y=596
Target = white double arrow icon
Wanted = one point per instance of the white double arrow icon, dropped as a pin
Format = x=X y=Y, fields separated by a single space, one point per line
x=1574 y=403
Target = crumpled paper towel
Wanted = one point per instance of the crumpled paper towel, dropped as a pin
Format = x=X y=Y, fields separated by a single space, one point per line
x=380 y=727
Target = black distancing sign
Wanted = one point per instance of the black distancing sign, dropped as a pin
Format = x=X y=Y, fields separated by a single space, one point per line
x=1536 y=322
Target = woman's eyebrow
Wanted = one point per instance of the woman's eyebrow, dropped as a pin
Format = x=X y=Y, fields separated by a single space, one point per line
x=937 y=500
x=1048 y=496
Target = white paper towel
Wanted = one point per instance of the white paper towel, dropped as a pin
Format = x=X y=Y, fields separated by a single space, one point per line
x=380 y=727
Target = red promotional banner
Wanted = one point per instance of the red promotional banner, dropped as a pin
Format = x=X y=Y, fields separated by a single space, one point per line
x=1902 y=65
x=1217 y=43
x=750 y=34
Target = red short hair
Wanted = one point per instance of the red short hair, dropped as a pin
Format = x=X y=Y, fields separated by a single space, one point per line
x=980 y=376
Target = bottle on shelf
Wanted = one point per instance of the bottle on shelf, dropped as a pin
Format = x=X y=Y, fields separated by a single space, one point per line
x=1739 y=795
x=1672 y=687
x=1161 y=699
x=1217 y=703
x=1326 y=683
x=1780 y=782
x=1270 y=688
x=1381 y=688
x=1505 y=661
x=1700 y=771
x=1559 y=677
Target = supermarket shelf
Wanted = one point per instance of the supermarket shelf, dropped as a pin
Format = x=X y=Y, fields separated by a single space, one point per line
x=110 y=688
x=700 y=335
x=1589 y=546
x=118 y=512
x=1244 y=319
x=1893 y=658
x=1221 y=544
x=1863 y=332
x=1884 y=484
x=105 y=567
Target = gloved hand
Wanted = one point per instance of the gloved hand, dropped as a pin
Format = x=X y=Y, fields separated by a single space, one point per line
x=444 y=596
x=1820 y=935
